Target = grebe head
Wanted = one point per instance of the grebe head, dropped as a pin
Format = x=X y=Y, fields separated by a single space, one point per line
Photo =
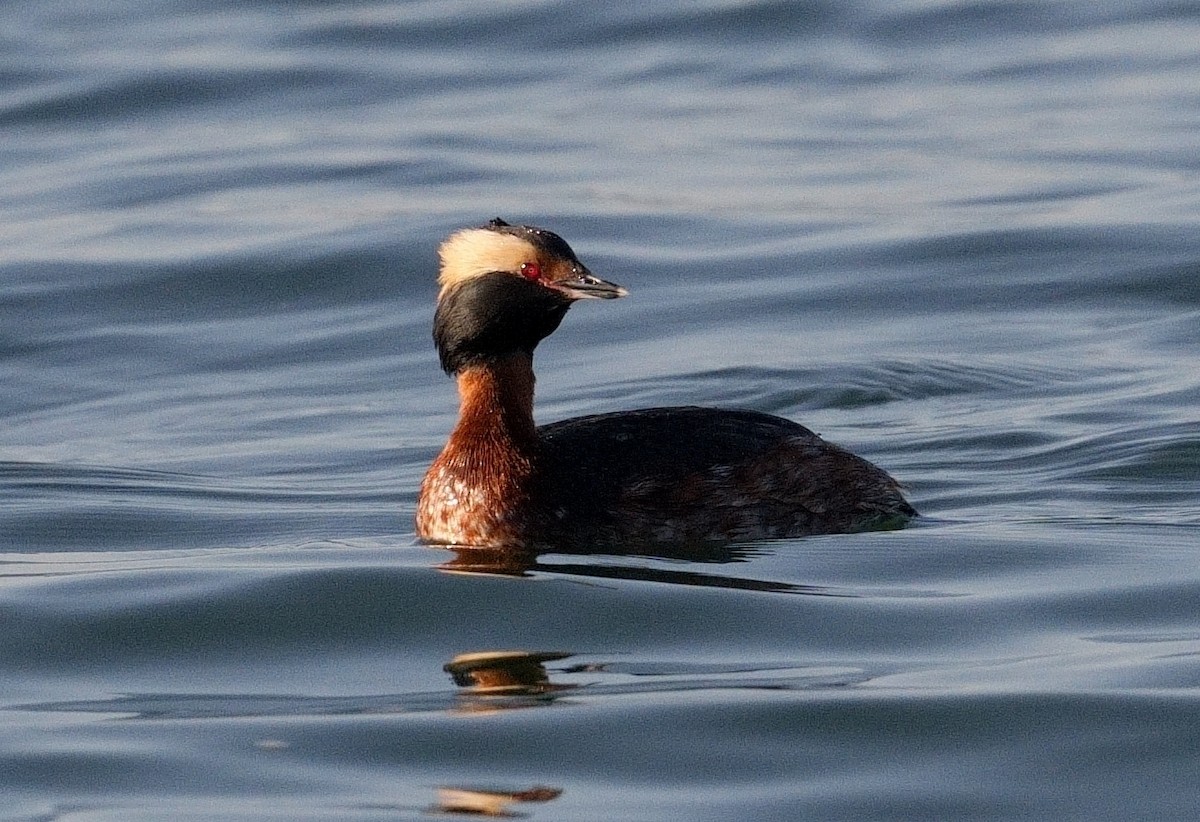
x=505 y=288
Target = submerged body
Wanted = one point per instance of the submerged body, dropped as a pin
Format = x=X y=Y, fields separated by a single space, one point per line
x=678 y=476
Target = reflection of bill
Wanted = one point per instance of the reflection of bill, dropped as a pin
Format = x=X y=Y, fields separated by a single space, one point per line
x=487 y=802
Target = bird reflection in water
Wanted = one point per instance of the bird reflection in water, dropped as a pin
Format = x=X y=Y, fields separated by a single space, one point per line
x=498 y=680
x=494 y=681
x=488 y=801
x=518 y=563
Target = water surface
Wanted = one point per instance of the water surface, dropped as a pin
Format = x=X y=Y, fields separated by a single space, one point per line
x=956 y=237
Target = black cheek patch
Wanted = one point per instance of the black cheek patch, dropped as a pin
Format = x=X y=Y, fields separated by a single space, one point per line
x=493 y=315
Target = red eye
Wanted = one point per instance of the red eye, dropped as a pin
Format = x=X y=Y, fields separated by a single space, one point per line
x=531 y=271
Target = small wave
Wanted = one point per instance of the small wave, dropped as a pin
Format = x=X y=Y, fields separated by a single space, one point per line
x=844 y=386
x=57 y=507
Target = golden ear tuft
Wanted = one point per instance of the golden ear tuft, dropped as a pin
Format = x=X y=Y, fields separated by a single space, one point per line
x=474 y=252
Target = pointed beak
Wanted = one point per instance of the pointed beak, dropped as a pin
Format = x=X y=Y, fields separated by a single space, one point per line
x=583 y=285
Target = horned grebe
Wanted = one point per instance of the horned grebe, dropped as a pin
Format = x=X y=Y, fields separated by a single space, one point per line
x=676 y=476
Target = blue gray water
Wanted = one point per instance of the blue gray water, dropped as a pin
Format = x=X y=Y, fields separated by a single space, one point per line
x=957 y=237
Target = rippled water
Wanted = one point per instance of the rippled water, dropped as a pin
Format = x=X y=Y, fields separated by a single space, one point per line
x=957 y=237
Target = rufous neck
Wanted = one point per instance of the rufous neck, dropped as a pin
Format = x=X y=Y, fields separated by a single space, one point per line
x=497 y=398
